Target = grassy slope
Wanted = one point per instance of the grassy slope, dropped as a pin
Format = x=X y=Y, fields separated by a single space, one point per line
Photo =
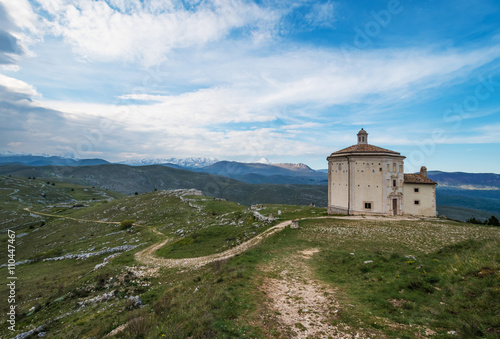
x=129 y=179
x=455 y=264
x=17 y=193
x=141 y=179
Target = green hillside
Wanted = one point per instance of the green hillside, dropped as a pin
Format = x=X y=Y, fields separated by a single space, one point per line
x=86 y=274
x=141 y=179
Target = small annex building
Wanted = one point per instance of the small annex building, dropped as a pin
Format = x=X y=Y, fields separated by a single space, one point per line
x=367 y=179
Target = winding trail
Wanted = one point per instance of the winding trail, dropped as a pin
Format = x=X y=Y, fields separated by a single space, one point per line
x=74 y=219
x=147 y=256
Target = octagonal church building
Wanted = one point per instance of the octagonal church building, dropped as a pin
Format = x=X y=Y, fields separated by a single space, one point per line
x=370 y=180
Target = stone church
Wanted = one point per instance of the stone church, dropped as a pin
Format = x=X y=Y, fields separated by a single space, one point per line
x=366 y=179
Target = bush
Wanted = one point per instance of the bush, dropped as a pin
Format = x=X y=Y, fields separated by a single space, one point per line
x=493 y=221
x=473 y=220
x=124 y=224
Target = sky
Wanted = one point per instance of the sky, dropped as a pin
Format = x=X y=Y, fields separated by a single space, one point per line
x=291 y=81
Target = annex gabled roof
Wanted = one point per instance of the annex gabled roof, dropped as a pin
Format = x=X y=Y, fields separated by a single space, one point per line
x=415 y=178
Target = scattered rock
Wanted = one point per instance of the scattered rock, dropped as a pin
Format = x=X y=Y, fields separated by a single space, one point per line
x=136 y=300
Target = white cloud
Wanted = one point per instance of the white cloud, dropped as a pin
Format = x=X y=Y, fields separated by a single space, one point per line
x=147 y=32
x=302 y=82
x=22 y=14
x=10 y=68
x=18 y=86
x=322 y=14
x=227 y=82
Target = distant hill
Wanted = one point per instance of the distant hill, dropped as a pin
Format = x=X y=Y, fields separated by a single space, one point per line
x=141 y=179
x=463 y=213
x=256 y=173
x=463 y=180
x=258 y=183
x=43 y=160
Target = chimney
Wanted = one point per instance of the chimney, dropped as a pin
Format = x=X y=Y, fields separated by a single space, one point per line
x=423 y=171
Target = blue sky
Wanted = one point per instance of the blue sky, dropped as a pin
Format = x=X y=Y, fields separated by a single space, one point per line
x=292 y=81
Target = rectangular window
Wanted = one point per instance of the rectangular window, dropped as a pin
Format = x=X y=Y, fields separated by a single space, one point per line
x=417 y=202
x=416 y=190
x=394 y=167
x=400 y=168
x=368 y=205
x=394 y=183
x=388 y=168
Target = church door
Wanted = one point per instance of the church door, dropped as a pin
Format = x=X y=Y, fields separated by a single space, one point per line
x=395 y=206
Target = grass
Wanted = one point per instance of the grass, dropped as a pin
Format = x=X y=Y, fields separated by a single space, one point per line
x=450 y=289
x=437 y=275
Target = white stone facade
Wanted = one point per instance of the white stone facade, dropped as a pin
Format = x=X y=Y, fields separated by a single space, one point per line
x=366 y=179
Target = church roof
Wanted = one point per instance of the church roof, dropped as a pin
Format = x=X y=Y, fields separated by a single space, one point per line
x=364 y=148
x=415 y=178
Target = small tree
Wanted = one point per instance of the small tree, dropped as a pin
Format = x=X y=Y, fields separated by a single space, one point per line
x=136 y=193
x=493 y=221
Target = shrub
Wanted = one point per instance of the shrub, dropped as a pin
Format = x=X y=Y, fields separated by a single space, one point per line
x=124 y=224
x=473 y=220
x=493 y=221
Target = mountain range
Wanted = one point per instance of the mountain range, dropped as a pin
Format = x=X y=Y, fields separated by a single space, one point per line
x=259 y=173
x=197 y=162
x=246 y=183
x=44 y=160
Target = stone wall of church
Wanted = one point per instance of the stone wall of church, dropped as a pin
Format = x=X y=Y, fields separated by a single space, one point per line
x=337 y=185
x=375 y=181
x=420 y=199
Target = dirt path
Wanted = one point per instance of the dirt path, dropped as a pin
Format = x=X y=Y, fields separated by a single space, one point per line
x=304 y=307
x=147 y=255
x=74 y=219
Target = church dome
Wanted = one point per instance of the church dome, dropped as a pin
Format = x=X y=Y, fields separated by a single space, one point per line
x=364 y=148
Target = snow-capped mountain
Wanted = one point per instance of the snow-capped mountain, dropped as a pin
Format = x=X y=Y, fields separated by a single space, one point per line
x=264 y=161
x=198 y=162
